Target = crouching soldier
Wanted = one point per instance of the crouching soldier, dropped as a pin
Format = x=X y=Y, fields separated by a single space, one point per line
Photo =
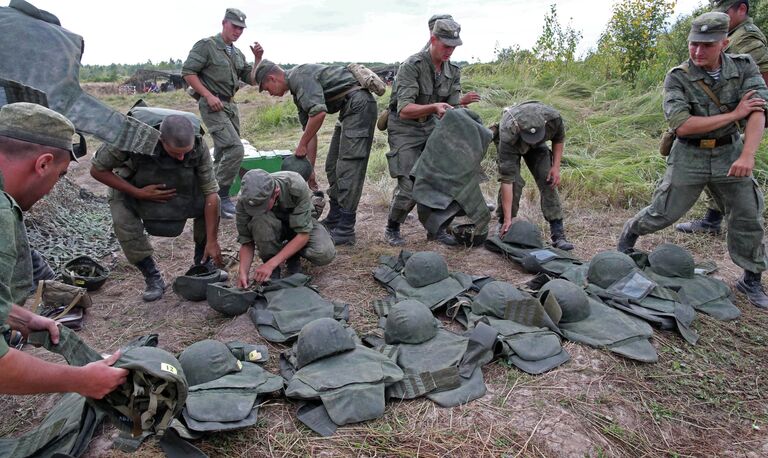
x=274 y=216
x=157 y=193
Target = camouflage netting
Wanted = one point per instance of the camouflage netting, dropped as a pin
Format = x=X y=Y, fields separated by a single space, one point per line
x=68 y=222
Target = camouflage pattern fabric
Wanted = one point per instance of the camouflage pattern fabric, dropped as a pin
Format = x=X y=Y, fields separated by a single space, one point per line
x=312 y=85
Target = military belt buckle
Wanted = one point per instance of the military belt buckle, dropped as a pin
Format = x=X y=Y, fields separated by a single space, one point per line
x=707 y=143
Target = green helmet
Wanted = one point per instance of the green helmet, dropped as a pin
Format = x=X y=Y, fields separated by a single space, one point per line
x=523 y=233
x=208 y=360
x=573 y=301
x=229 y=301
x=495 y=297
x=193 y=285
x=608 y=267
x=322 y=338
x=409 y=322
x=669 y=260
x=425 y=268
x=84 y=272
x=300 y=165
x=468 y=235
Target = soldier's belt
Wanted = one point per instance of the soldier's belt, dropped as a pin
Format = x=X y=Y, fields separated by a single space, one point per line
x=223 y=98
x=707 y=143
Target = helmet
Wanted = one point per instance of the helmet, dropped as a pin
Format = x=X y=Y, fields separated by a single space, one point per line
x=467 y=235
x=192 y=285
x=573 y=301
x=409 y=322
x=208 y=360
x=84 y=272
x=608 y=267
x=424 y=268
x=669 y=260
x=523 y=233
x=300 y=165
x=322 y=338
x=229 y=301
x=495 y=297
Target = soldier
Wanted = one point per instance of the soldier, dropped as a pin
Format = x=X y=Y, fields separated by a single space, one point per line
x=35 y=151
x=427 y=84
x=175 y=183
x=274 y=215
x=523 y=132
x=744 y=37
x=213 y=69
x=318 y=90
x=708 y=150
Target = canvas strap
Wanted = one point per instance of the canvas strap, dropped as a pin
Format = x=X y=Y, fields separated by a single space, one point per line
x=415 y=385
x=723 y=109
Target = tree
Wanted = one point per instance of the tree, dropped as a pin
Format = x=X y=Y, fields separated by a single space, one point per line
x=556 y=44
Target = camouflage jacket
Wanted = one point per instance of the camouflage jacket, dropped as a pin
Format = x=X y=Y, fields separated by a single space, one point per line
x=417 y=82
x=312 y=85
x=217 y=70
x=747 y=38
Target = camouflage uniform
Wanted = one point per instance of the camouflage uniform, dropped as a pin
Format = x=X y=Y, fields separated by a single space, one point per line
x=538 y=158
x=291 y=215
x=313 y=88
x=416 y=82
x=128 y=226
x=220 y=73
x=690 y=167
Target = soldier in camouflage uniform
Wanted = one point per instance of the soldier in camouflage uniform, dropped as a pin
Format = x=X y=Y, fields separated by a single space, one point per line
x=744 y=37
x=35 y=151
x=274 y=216
x=523 y=132
x=708 y=150
x=317 y=90
x=214 y=69
x=427 y=84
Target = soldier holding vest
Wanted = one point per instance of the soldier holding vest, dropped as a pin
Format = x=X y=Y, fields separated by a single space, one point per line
x=707 y=100
x=158 y=193
x=214 y=69
x=744 y=37
x=427 y=84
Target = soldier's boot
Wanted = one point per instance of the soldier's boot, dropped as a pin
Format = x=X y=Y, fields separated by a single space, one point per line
x=227 y=206
x=557 y=233
x=750 y=285
x=344 y=232
x=198 y=260
x=334 y=215
x=392 y=234
x=443 y=237
x=155 y=284
x=627 y=240
x=293 y=265
x=710 y=224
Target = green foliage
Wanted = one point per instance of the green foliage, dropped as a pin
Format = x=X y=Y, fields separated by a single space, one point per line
x=556 y=43
x=113 y=73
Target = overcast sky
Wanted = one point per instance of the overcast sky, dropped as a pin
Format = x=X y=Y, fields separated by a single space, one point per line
x=305 y=31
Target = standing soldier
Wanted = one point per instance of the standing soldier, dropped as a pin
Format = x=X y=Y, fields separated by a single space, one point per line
x=427 y=84
x=523 y=132
x=744 y=37
x=214 y=69
x=709 y=151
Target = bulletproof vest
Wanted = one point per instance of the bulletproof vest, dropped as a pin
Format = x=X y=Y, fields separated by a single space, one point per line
x=229 y=301
x=193 y=285
x=48 y=59
x=282 y=308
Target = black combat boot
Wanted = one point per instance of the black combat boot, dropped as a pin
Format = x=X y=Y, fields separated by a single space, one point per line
x=627 y=240
x=293 y=265
x=750 y=284
x=227 y=207
x=557 y=233
x=443 y=237
x=710 y=224
x=392 y=233
x=155 y=284
x=334 y=215
x=344 y=232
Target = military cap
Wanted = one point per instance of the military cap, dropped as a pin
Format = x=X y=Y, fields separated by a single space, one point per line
x=235 y=16
x=258 y=187
x=709 y=27
x=723 y=5
x=262 y=71
x=437 y=17
x=530 y=123
x=447 y=30
x=34 y=123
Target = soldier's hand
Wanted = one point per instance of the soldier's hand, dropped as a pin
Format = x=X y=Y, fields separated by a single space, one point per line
x=214 y=103
x=242 y=280
x=470 y=97
x=553 y=178
x=747 y=105
x=156 y=193
x=505 y=226
x=26 y=322
x=441 y=108
x=100 y=378
x=263 y=272
x=258 y=52
x=213 y=251
x=301 y=150
x=742 y=167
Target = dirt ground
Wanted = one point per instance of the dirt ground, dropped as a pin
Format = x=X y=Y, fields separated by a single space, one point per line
x=704 y=400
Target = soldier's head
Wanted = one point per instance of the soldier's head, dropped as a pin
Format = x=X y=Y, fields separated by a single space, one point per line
x=271 y=78
x=445 y=38
x=259 y=192
x=232 y=25
x=708 y=39
x=737 y=10
x=177 y=135
x=36 y=147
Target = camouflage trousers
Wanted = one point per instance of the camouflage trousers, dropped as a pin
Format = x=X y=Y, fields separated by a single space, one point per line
x=350 y=148
x=228 y=151
x=689 y=170
x=539 y=162
x=130 y=232
x=271 y=235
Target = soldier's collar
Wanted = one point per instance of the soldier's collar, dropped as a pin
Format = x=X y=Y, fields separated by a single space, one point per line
x=220 y=42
